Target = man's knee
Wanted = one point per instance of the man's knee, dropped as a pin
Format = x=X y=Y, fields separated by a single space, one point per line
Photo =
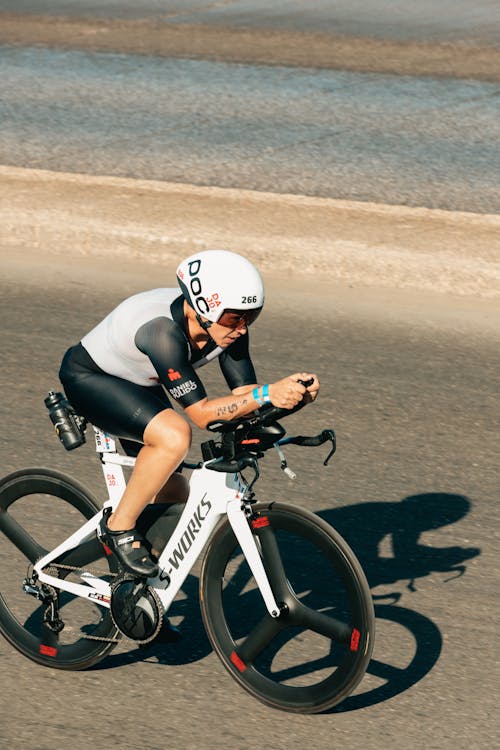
x=169 y=430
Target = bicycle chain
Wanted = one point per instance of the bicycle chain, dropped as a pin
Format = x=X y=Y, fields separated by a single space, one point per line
x=54 y=567
x=95 y=573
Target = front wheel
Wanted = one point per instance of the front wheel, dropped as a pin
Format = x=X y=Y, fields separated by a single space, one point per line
x=315 y=653
x=39 y=508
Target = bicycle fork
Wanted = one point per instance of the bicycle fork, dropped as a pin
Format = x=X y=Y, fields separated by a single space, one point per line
x=240 y=525
x=291 y=608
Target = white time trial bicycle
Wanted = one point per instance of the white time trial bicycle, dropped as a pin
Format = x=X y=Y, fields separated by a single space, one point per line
x=284 y=601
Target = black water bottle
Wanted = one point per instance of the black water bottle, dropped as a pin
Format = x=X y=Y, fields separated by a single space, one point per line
x=68 y=425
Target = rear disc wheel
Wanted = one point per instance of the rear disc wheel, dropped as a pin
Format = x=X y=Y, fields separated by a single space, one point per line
x=39 y=508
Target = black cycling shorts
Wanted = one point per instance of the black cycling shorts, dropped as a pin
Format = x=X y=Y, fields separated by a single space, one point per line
x=117 y=406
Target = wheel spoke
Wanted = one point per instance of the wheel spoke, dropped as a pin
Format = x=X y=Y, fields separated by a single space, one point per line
x=20 y=537
x=65 y=634
x=273 y=563
x=322 y=624
x=260 y=637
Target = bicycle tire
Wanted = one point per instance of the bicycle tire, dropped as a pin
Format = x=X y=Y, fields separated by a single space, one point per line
x=321 y=575
x=25 y=496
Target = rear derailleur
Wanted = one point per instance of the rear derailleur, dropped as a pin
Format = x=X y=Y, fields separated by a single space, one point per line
x=50 y=601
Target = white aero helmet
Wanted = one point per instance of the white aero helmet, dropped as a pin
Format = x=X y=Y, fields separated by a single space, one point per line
x=222 y=287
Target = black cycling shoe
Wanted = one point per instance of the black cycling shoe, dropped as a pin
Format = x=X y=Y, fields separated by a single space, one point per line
x=129 y=547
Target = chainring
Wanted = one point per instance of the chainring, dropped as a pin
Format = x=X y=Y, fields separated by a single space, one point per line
x=136 y=609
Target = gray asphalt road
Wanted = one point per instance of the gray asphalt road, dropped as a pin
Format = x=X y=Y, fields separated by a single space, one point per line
x=449 y=20
x=369 y=137
x=411 y=387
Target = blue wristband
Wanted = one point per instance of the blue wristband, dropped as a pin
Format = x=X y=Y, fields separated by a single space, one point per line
x=265 y=394
x=255 y=395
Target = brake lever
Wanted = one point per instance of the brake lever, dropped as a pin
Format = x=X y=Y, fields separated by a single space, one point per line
x=330 y=435
x=327 y=459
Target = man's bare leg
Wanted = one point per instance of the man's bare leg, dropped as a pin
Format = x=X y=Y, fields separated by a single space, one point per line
x=167 y=439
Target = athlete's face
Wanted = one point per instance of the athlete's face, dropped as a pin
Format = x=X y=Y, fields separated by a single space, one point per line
x=225 y=335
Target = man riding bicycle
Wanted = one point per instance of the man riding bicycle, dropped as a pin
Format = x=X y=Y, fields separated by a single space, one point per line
x=121 y=374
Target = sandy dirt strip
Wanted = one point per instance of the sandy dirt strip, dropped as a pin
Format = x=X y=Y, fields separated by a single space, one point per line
x=254 y=46
x=359 y=244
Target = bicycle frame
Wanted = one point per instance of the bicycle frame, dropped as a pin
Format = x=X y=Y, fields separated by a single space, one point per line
x=212 y=496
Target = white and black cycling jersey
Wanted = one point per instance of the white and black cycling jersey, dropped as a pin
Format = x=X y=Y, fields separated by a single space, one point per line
x=144 y=341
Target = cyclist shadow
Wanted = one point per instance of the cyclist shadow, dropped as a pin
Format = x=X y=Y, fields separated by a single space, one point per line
x=364 y=526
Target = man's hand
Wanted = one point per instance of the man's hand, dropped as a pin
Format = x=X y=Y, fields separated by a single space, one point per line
x=289 y=392
x=312 y=389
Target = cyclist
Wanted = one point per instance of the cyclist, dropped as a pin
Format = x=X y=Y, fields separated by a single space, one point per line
x=149 y=348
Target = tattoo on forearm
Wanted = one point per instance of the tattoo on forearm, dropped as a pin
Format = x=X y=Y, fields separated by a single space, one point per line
x=229 y=409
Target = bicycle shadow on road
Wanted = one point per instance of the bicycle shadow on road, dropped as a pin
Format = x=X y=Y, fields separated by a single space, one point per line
x=364 y=526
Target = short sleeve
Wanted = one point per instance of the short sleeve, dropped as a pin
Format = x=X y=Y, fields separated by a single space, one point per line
x=166 y=346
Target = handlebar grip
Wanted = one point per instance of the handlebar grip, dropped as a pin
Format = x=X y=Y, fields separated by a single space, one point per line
x=276 y=412
x=311 y=441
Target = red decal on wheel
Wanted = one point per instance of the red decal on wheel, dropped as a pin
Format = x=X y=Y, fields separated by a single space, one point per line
x=47 y=650
x=238 y=663
x=260 y=522
x=355 y=636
